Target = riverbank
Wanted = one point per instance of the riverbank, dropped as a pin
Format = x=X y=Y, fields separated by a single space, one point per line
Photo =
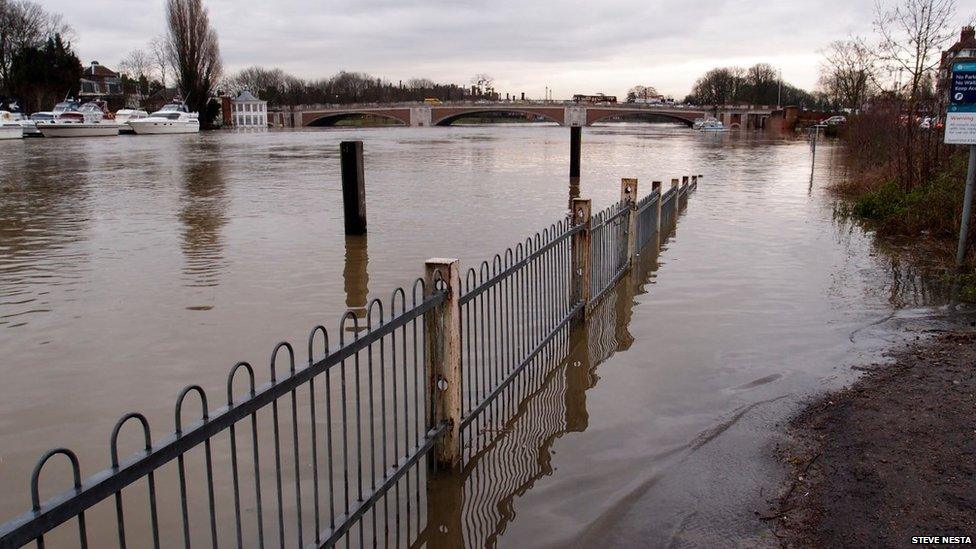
x=908 y=190
x=889 y=458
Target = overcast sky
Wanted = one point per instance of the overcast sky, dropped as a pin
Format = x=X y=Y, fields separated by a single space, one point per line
x=573 y=47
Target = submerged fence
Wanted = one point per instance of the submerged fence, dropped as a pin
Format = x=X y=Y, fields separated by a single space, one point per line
x=339 y=449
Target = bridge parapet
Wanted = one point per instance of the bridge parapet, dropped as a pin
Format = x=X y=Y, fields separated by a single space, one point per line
x=563 y=113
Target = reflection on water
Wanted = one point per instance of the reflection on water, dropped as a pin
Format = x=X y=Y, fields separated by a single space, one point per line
x=473 y=507
x=203 y=216
x=42 y=224
x=355 y=274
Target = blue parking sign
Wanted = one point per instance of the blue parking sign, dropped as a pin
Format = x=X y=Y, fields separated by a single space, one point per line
x=960 y=120
x=963 y=89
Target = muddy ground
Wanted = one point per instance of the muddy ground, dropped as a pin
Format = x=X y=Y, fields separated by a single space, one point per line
x=889 y=458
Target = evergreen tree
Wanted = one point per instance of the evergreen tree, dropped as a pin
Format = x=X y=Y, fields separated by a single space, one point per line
x=41 y=76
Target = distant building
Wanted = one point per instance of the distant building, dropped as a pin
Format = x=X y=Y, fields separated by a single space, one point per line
x=245 y=111
x=99 y=82
x=963 y=50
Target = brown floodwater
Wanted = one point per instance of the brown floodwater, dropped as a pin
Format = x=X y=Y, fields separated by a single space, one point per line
x=133 y=266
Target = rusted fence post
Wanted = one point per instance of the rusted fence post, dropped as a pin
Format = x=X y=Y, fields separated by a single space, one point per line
x=656 y=188
x=442 y=341
x=581 y=257
x=353 y=186
x=628 y=194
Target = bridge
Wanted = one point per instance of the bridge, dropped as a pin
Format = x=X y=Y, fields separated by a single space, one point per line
x=562 y=113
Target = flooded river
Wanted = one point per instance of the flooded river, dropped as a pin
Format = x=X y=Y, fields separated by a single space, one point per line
x=133 y=266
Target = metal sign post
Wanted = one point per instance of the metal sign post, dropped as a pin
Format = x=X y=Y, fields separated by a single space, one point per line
x=960 y=129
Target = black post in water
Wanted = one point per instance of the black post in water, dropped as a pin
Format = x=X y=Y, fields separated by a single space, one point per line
x=575 y=140
x=353 y=186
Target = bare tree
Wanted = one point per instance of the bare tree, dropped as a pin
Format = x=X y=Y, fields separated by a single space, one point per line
x=719 y=86
x=761 y=80
x=420 y=84
x=913 y=35
x=159 y=53
x=137 y=63
x=194 y=53
x=641 y=92
x=483 y=82
x=848 y=72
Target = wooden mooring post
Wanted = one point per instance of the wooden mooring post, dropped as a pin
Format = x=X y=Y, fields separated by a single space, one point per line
x=575 y=149
x=442 y=343
x=581 y=257
x=353 y=186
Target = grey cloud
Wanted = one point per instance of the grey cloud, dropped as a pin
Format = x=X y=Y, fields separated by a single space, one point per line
x=524 y=43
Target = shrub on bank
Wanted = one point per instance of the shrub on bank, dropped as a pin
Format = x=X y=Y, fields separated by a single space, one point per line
x=932 y=208
x=903 y=181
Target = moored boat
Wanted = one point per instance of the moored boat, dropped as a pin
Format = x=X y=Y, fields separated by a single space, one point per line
x=10 y=128
x=88 y=120
x=712 y=125
x=124 y=116
x=172 y=118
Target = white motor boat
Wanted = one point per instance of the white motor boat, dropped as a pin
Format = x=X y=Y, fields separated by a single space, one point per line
x=88 y=120
x=10 y=127
x=30 y=127
x=172 y=118
x=124 y=116
x=712 y=125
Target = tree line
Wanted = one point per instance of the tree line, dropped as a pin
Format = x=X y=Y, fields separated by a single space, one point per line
x=37 y=63
x=279 y=88
x=759 y=84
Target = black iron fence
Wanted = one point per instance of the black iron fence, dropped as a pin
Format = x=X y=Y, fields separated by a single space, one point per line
x=342 y=448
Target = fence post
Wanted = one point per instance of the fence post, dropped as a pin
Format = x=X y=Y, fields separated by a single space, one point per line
x=628 y=194
x=442 y=341
x=353 y=186
x=581 y=257
x=656 y=188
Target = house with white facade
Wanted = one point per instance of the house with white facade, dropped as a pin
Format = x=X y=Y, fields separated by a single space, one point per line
x=247 y=111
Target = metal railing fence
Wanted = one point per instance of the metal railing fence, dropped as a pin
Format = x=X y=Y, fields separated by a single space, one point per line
x=647 y=213
x=352 y=430
x=608 y=247
x=374 y=407
x=510 y=310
